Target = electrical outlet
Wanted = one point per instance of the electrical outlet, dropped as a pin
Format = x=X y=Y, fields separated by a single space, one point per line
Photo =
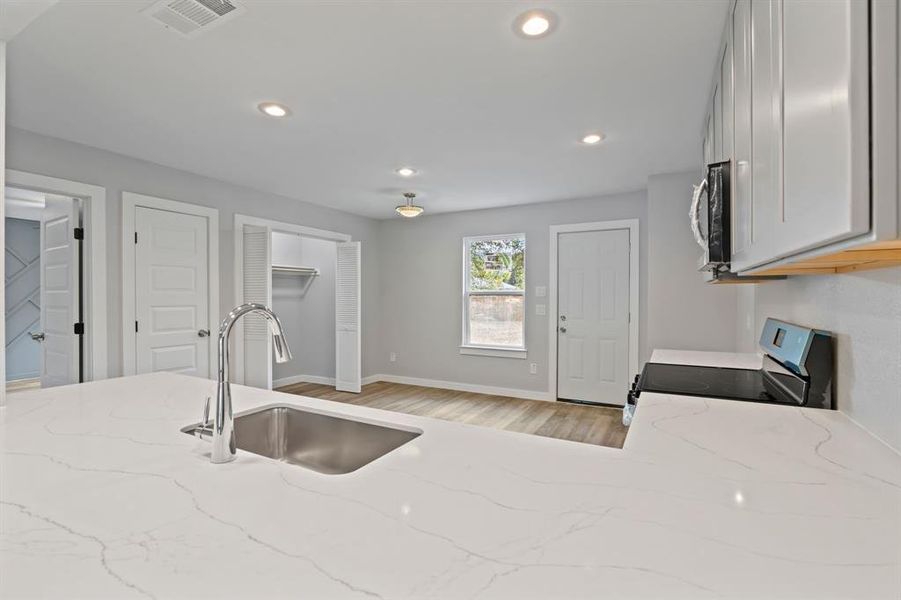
x=533 y=368
x=393 y=357
x=540 y=309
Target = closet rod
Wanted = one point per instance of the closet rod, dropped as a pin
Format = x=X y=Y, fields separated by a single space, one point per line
x=305 y=271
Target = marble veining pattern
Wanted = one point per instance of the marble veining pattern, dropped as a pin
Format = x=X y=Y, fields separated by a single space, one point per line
x=101 y=496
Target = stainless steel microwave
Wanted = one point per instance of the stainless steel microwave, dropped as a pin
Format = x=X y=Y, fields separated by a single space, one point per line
x=711 y=220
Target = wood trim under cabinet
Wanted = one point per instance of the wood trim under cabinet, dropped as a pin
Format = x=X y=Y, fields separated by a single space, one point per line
x=878 y=255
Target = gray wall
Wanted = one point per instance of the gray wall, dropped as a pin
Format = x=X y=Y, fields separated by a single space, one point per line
x=864 y=311
x=23 y=298
x=684 y=312
x=306 y=308
x=421 y=293
x=35 y=153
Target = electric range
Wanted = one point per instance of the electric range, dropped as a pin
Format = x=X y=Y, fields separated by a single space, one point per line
x=797 y=370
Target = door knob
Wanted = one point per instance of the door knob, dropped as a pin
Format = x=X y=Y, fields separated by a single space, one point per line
x=203 y=333
x=38 y=337
x=563 y=318
x=562 y=329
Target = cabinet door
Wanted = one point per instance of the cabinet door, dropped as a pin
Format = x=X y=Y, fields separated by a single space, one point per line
x=726 y=101
x=825 y=124
x=742 y=225
x=717 y=124
x=766 y=127
x=708 y=142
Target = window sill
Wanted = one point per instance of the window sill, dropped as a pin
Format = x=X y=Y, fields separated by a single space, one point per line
x=521 y=353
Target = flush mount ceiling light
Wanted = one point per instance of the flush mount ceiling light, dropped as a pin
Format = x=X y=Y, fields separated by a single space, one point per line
x=535 y=23
x=408 y=209
x=406 y=171
x=593 y=138
x=274 y=109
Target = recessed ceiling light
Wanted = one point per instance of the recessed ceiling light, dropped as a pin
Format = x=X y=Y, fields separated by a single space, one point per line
x=274 y=109
x=406 y=171
x=592 y=138
x=535 y=23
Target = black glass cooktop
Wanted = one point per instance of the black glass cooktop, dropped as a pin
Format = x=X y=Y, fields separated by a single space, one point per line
x=712 y=382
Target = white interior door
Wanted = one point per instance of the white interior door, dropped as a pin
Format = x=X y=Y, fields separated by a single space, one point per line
x=348 y=365
x=59 y=292
x=593 y=316
x=171 y=292
x=257 y=357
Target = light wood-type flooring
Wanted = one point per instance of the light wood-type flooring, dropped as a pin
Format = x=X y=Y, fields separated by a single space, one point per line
x=589 y=424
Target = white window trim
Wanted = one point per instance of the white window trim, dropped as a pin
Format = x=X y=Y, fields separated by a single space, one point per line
x=498 y=351
x=482 y=350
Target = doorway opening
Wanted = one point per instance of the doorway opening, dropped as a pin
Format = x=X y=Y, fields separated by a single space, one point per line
x=593 y=334
x=311 y=280
x=44 y=289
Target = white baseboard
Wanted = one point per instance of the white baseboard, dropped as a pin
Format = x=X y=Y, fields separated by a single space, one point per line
x=430 y=383
x=277 y=383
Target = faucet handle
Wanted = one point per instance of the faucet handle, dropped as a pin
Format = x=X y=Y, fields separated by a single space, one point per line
x=206 y=413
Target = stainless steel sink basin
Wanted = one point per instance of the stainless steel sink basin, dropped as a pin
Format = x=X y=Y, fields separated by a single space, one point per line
x=319 y=441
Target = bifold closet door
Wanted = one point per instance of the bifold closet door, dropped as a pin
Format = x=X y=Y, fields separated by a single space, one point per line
x=257 y=288
x=347 y=318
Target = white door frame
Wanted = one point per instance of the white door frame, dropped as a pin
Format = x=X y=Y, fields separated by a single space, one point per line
x=93 y=197
x=280 y=226
x=130 y=202
x=555 y=231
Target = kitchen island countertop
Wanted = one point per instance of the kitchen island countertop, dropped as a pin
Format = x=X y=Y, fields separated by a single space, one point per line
x=103 y=496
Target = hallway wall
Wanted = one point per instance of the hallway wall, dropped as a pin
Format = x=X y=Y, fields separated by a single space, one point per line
x=23 y=296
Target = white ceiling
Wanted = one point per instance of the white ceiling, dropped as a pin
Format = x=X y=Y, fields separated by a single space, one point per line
x=489 y=118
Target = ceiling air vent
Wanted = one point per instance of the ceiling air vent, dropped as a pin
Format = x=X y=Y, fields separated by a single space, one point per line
x=190 y=17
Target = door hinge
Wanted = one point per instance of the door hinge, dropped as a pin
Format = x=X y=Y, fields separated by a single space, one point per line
x=136 y=326
x=79 y=233
x=79 y=329
x=136 y=237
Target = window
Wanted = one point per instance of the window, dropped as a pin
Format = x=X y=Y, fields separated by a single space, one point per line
x=494 y=294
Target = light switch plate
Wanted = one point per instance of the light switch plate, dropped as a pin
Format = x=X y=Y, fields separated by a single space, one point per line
x=540 y=291
x=540 y=309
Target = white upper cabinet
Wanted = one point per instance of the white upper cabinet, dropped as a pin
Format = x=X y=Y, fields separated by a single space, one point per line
x=742 y=224
x=825 y=128
x=726 y=101
x=793 y=93
x=766 y=118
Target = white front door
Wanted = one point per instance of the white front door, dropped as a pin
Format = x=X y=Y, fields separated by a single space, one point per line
x=593 y=316
x=171 y=292
x=59 y=292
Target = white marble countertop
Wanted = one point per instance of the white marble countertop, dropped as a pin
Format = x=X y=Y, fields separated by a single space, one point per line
x=729 y=360
x=103 y=497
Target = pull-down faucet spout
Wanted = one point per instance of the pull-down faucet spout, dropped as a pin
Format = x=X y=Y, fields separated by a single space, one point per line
x=223 y=418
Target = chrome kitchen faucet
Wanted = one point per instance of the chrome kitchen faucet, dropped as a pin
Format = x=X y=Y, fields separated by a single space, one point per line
x=223 y=425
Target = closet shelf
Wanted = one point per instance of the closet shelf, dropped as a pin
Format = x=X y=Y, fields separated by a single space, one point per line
x=301 y=271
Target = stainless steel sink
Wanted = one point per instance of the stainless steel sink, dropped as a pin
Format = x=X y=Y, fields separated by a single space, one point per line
x=319 y=441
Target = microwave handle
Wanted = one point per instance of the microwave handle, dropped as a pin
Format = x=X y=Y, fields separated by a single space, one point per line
x=694 y=216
